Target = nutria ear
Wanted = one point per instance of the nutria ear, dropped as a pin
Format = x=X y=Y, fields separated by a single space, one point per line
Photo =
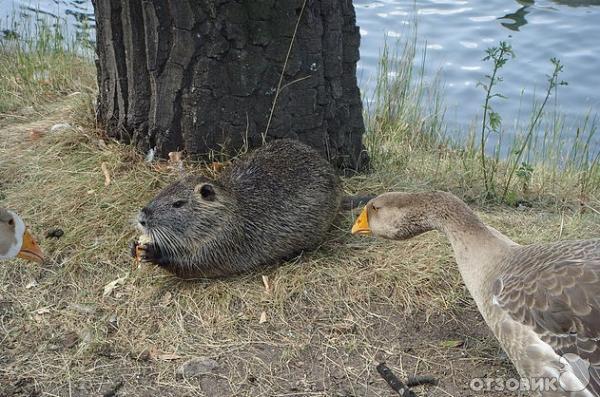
x=206 y=191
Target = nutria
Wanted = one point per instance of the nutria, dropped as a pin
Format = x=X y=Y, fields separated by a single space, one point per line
x=266 y=207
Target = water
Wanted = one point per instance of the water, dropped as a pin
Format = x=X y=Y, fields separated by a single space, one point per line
x=455 y=34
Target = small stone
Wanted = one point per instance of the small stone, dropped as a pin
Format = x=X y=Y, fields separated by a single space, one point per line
x=60 y=127
x=31 y=284
x=196 y=367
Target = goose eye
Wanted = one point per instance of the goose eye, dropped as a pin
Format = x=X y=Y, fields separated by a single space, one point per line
x=11 y=222
x=179 y=204
x=374 y=207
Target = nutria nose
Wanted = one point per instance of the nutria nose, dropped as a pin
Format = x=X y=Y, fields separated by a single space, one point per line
x=143 y=216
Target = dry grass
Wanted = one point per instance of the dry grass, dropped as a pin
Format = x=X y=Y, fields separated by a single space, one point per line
x=331 y=315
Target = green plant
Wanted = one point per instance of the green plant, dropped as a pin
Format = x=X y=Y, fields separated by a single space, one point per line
x=553 y=84
x=524 y=173
x=491 y=121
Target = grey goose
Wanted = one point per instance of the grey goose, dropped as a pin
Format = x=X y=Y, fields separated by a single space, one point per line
x=541 y=301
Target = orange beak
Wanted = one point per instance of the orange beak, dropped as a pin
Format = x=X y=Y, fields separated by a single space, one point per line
x=361 y=225
x=30 y=250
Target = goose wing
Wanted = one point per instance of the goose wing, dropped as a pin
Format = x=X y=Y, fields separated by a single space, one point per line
x=558 y=296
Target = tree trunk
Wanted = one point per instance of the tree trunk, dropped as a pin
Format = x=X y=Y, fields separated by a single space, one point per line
x=205 y=76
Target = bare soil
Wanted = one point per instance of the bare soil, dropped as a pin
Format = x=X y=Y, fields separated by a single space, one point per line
x=311 y=357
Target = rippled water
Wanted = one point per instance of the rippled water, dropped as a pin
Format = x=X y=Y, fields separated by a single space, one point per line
x=455 y=34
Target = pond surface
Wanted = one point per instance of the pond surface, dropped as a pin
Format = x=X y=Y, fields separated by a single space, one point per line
x=455 y=34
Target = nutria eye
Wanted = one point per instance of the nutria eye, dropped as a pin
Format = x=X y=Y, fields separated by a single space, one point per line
x=179 y=204
x=11 y=222
x=374 y=208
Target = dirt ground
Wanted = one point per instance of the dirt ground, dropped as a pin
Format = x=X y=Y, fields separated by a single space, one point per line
x=90 y=323
x=313 y=356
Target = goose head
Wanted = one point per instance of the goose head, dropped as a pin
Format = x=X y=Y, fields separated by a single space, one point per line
x=15 y=239
x=397 y=216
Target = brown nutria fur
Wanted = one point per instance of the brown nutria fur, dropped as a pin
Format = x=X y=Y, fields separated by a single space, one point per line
x=266 y=207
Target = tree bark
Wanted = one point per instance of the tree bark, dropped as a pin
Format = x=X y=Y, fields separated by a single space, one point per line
x=205 y=76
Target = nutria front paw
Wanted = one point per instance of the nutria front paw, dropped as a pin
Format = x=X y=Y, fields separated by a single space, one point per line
x=148 y=253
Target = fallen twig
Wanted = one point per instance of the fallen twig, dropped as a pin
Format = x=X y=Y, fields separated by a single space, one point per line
x=394 y=382
x=420 y=380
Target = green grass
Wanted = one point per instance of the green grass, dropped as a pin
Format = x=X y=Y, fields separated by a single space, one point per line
x=39 y=64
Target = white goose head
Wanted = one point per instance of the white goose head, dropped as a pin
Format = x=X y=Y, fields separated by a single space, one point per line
x=15 y=239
